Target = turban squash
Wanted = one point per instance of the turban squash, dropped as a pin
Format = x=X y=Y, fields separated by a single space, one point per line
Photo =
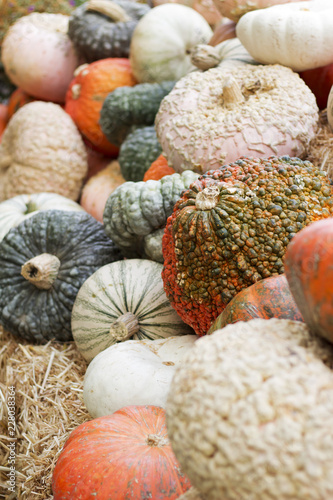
x=231 y=229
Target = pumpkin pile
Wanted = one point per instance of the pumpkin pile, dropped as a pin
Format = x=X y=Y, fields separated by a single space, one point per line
x=166 y=238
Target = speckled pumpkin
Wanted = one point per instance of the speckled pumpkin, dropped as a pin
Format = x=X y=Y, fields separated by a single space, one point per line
x=231 y=229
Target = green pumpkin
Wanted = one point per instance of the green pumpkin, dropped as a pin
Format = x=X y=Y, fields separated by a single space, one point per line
x=128 y=106
x=98 y=36
x=135 y=213
x=43 y=263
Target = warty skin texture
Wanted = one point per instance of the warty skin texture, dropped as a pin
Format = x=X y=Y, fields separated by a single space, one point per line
x=249 y=413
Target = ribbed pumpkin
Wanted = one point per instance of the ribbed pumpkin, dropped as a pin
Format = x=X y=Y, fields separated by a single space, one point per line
x=268 y=298
x=87 y=92
x=232 y=227
x=158 y=169
x=120 y=301
x=126 y=455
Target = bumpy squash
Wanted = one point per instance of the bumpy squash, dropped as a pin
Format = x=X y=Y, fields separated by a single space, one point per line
x=126 y=107
x=123 y=455
x=120 y=301
x=136 y=213
x=43 y=263
x=232 y=227
x=268 y=298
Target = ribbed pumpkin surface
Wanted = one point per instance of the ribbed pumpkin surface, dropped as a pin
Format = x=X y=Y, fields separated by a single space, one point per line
x=125 y=455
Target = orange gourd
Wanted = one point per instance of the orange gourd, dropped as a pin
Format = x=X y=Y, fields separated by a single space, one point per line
x=123 y=455
x=18 y=99
x=158 y=169
x=87 y=92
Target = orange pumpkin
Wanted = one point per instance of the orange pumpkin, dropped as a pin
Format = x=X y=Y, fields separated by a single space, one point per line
x=268 y=298
x=123 y=455
x=87 y=92
x=158 y=169
x=18 y=99
x=308 y=267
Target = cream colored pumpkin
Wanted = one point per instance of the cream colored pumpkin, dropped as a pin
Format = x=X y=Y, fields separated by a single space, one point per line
x=297 y=34
x=137 y=372
x=42 y=151
x=39 y=57
x=162 y=42
x=235 y=9
x=214 y=117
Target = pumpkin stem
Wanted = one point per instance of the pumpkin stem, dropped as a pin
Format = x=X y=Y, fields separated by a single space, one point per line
x=232 y=94
x=205 y=57
x=110 y=9
x=125 y=327
x=41 y=270
x=156 y=440
x=207 y=198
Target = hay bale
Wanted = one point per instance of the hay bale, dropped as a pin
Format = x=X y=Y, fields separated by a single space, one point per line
x=48 y=383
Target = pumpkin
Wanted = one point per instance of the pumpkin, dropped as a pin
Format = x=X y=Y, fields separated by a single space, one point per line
x=309 y=274
x=235 y=9
x=128 y=107
x=268 y=298
x=137 y=372
x=249 y=413
x=123 y=455
x=18 y=99
x=43 y=74
x=100 y=29
x=98 y=188
x=330 y=108
x=42 y=151
x=214 y=117
x=295 y=34
x=162 y=42
x=120 y=301
x=158 y=169
x=21 y=207
x=135 y=214
x=87 y=92
x=205 y=7
x=140 y=148
x=3 y=118
x=223 y=31
x=231 y=229
x=43 y=263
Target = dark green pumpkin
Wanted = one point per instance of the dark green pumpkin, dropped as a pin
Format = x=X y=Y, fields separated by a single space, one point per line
x=97 y=36
x=128 y=106
x=36 y=299
x=138 y=151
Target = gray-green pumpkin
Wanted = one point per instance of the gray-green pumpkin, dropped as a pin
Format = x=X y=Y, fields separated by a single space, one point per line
x=103 y=28
x=126 y=107
x=135 y=213
x=43 y=263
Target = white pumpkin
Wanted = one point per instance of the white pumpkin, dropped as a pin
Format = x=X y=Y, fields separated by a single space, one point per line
x=123 y=300
x=137 y=372
x=296 y=34
x=162 y=42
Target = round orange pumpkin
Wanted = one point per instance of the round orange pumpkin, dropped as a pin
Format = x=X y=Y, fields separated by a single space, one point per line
x=87 y=92
x=123 y=455
x=18 y=99
x=158 y=169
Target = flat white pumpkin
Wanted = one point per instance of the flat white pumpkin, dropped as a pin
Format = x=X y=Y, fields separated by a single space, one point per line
x=137 y=372
x=296 y=34
x=123 y=300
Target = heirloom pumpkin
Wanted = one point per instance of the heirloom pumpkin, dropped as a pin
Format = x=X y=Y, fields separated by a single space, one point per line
x=86 y=94
x=308 y=265
x=135 y=213
x=137 y=372
x=235 y=9
x=21 y=207
x=120 y=301
x=44 y=74
x=215 y=117
x=268 y=298
x=43 y=263
x=296 y=34
x=42 y=151
x=123 y=455
x=162 y=42
x=100 y=29
x=231 y=229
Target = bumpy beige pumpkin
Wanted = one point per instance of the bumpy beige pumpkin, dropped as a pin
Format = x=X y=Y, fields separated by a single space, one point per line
x=215 y=117
x=42 y=150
